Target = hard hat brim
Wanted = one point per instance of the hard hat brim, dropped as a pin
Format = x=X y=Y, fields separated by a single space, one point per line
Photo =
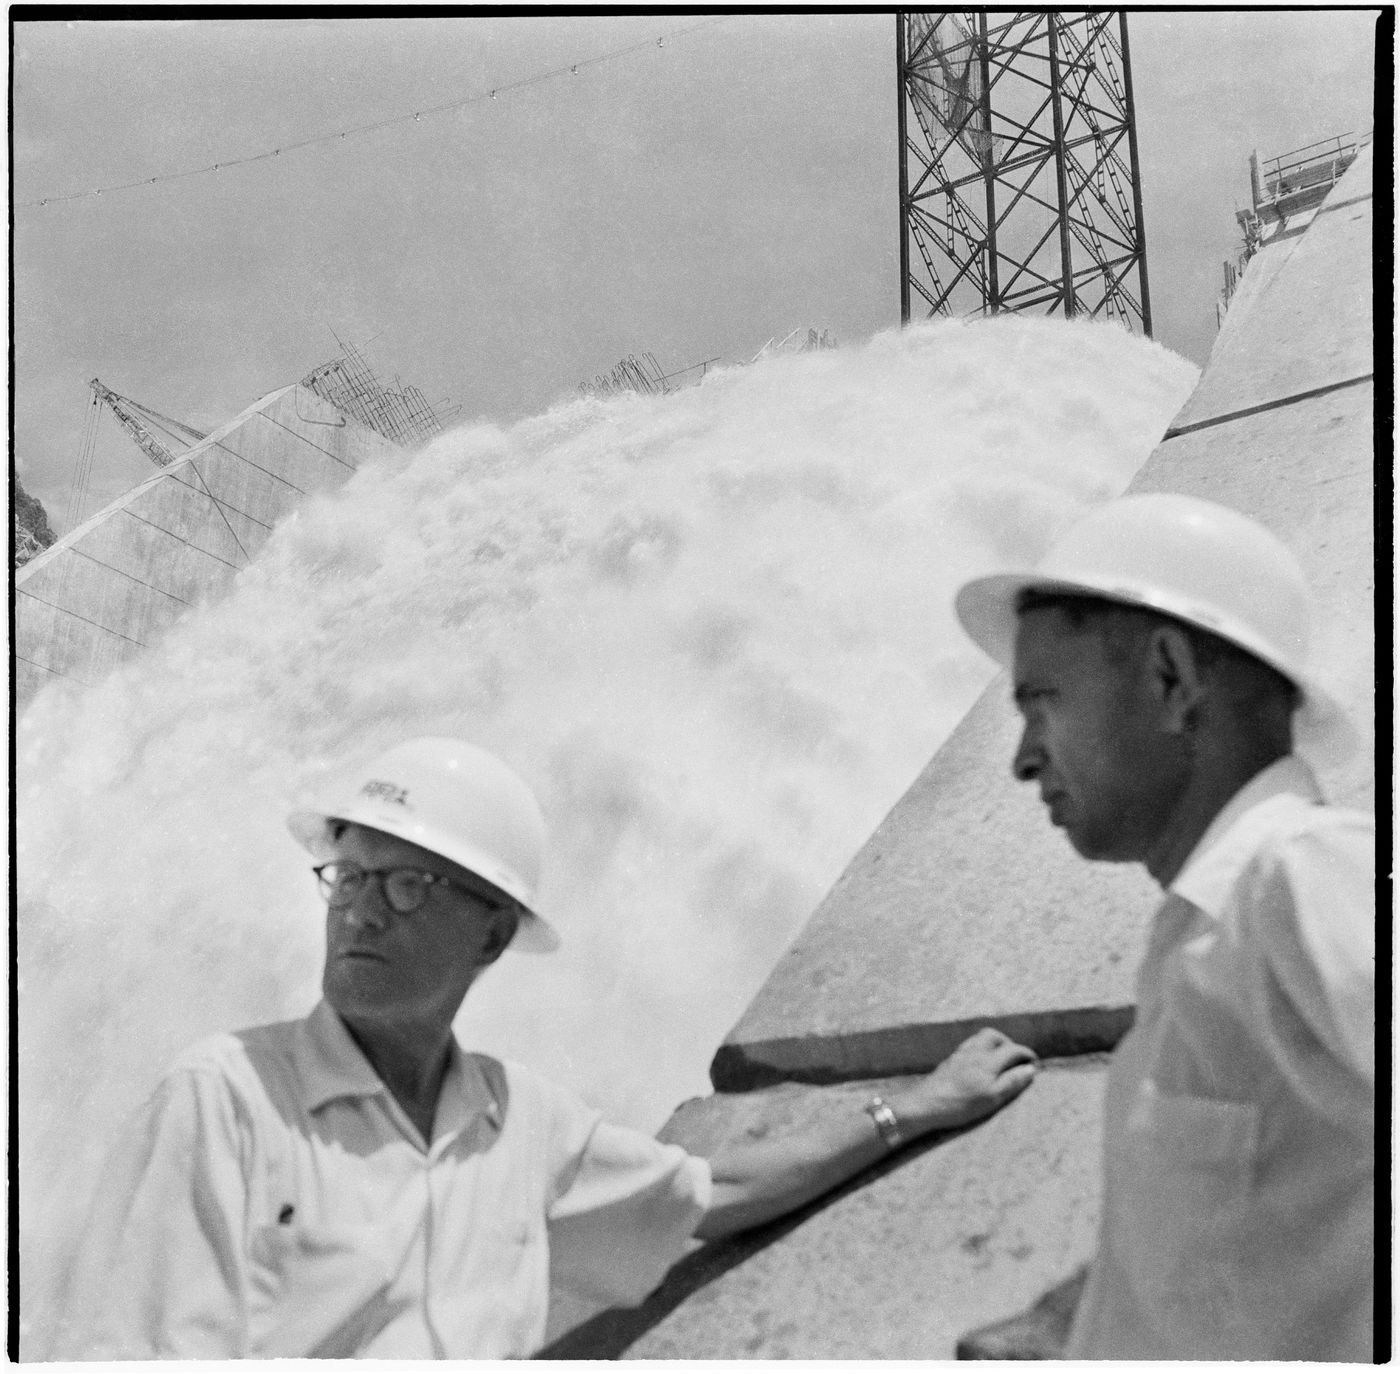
x=312 y=830
x=986 y=609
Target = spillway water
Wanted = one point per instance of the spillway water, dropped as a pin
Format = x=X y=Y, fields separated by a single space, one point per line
x=713 y=630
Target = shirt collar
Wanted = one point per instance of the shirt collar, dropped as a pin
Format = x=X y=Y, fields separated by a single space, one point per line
x=467 y=1093
x=1213 y=865
x=332 y=1066
x=330 y=1062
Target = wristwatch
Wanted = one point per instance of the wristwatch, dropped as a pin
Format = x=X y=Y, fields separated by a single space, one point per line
x=886 y=1122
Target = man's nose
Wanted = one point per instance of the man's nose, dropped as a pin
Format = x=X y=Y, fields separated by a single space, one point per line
x=1029 y=758
x=369 y=909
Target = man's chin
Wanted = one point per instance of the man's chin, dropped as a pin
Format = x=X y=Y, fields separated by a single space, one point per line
x=354 y=986
x=1096 y=849
x=1084 y=843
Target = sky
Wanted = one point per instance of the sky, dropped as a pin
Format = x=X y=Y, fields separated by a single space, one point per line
x=691 y=197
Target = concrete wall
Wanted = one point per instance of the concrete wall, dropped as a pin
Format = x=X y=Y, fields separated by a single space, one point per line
x=965 y=908
x=109 y=587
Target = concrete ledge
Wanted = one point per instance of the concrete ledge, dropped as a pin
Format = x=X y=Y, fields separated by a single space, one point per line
x=1056 y=1032
x=896 y=1265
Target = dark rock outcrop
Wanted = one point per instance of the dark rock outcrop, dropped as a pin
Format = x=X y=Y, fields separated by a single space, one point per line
x=33 y=533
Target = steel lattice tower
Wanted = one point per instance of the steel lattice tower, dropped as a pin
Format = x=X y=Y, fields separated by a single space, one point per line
x=1018 y=166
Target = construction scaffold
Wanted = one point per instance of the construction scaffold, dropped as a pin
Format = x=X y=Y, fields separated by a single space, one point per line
x=1018 y=172
x=797 y=341
x=641 y=374
x=404 y=417
x=1284 y=192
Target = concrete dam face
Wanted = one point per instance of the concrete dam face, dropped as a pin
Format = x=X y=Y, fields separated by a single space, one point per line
x=712 y=629
x=111 y=587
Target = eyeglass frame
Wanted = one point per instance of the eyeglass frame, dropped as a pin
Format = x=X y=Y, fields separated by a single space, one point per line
x=432 y=880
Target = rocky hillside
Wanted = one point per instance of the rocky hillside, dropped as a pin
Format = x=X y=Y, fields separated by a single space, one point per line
x=32 y=532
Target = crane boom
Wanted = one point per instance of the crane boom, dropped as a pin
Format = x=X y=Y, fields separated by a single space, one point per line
x=129 y=413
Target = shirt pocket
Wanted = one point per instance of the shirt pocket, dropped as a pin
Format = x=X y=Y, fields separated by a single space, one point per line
x=1183 y=1184
x=1214 y=1137
x=316 y=1291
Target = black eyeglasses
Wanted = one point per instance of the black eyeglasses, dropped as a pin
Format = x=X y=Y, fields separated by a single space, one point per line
x=403 y=889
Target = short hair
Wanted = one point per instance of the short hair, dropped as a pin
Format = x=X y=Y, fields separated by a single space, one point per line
x=1249 y=682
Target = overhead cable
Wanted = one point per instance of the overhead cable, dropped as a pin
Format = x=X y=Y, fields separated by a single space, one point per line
x=571 y=69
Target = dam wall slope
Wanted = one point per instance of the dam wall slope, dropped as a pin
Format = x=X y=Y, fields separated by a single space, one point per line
x=965 y=908
x=109 y=587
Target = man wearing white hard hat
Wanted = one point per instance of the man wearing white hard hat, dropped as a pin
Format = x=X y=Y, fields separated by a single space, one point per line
x=356 y=1184
x=1159 y=662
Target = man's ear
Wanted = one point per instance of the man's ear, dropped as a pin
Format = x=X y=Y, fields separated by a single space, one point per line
x=1175 y=676
x=503 y=927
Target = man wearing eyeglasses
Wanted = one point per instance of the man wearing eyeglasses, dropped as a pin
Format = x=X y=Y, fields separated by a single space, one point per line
x=356 y=1184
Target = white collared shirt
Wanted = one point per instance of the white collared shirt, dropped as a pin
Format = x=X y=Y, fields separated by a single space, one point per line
x=1239 y=1115
x=272 y=1199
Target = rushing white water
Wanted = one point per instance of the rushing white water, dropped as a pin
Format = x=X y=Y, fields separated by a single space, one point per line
x=713 y=630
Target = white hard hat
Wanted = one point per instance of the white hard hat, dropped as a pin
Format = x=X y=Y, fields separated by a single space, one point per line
x=1191 y=559
x=456 y=800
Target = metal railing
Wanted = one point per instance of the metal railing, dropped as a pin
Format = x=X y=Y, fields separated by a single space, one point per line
x=1314 y=164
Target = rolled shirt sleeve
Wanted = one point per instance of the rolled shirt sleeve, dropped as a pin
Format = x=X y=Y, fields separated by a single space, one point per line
x=626 y=1216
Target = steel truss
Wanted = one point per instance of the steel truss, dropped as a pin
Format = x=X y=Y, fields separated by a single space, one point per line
x=1018 y=168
